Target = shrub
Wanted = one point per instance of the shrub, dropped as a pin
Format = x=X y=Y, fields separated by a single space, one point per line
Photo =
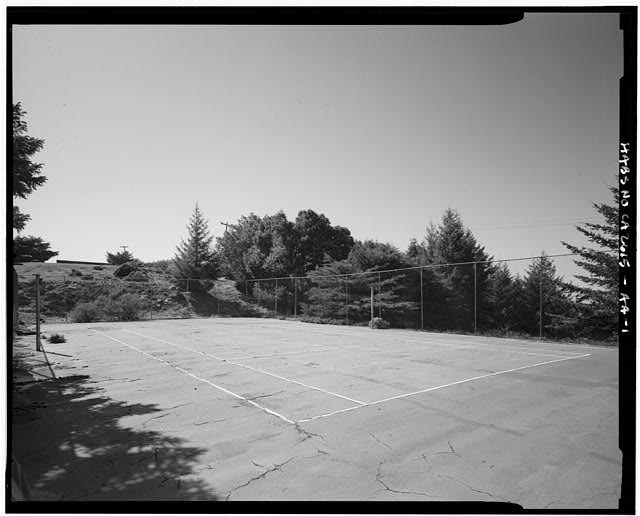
x=56 y=338
x=75 y=272
x=129 y=307
x=379 y=324
x=125 y=269
x=86 y=312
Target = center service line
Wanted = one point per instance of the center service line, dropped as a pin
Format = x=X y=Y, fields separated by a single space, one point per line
x=264 y=409
x=360 y=403
x=443 y=386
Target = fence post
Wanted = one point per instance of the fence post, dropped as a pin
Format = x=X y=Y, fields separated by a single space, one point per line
x=540 y=302
x=276 y=297
x=64 y=289
x=246 y=288
x=38 y=344
x=372 y=307
x=421 y=303
x=475 y=295
x=379 y=298
x=295 y=298
x=187 y=284
x=346 y=302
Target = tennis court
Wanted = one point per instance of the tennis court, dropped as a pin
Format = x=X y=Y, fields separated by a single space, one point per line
x=283 y=410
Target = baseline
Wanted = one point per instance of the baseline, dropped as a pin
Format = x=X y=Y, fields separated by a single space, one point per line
x=430 y=389
x=196 y=377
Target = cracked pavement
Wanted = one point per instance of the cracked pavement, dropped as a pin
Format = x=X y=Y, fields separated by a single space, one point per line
x=124 y=426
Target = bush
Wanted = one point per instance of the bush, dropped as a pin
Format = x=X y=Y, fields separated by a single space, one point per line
x=379 y=324
x=125 y=308
x=87 y=312
x=75 y=272
x=56 y=338
x=129 y=307
x=125 y=269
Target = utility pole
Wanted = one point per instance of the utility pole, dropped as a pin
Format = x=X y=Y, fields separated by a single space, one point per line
x=226 y=226
x=124 y=248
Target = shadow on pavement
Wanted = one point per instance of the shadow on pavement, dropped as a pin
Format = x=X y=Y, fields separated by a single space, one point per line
x=67 y=436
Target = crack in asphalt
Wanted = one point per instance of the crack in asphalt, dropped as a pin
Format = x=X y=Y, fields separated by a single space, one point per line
x=379 y=440
x=398 y=491
x=308 y=435
x=264 y=396
x=496 y=497
x=452 y=451
x=276 y=467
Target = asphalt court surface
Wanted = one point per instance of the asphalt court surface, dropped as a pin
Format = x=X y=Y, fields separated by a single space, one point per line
x=288 y=410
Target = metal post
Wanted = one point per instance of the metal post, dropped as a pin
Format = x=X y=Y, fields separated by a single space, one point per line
x=295 y=298
x=38 y=344
x=246 y=288
x=346 y=302
x=379 y=300
x=541 y=301
x=276 y=297
x=187 y=284
x=218 y=299
x=64 y=284
x=372 y=307
x=421 y=303
x=475 y=295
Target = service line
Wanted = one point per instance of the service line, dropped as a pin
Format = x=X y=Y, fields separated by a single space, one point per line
x=474 y=378
x=255 y=369
x=196 y=377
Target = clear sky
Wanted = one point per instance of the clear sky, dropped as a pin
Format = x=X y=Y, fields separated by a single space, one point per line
x=379 y=128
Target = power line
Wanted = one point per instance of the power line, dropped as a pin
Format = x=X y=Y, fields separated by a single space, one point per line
x=416 y=267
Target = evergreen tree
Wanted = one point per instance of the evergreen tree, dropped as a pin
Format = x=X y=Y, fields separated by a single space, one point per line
x=119 y=258
x=503 y=299
x=544 y=289
x=195 y=257
x=27 y=175
x=31 y=249
x=597 y=297
x=467 y=289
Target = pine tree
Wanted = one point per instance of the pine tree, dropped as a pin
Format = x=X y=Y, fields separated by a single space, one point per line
x=195 y=257
x=597 y=298
x=544 y=289
x=451 y=242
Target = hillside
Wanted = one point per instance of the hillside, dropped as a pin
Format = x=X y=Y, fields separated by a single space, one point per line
x=66 y=286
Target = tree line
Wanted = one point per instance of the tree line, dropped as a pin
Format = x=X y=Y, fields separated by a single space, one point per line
x=445 y=282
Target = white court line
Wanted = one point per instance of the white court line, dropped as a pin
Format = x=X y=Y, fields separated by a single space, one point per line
x=443 y=386
x=247 y=367
x=264 y=409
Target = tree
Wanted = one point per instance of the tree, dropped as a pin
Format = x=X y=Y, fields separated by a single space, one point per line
x=315 y=237
x=31 y=249
x=195 y=257
x=119 y=258
x=467 y=285
x=27 y=175
x=544 y=289
x=597 y=297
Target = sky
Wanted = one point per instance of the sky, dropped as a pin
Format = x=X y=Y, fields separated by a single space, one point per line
x=380 y=128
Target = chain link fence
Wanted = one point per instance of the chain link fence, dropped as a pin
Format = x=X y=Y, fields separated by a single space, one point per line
x=527 y=297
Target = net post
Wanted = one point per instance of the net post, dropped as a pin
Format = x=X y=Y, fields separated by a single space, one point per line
x=64 y=284
x=421 y=303
x=38 y=343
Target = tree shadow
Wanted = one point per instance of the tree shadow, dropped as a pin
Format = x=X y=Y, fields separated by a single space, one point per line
x=69 y=442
